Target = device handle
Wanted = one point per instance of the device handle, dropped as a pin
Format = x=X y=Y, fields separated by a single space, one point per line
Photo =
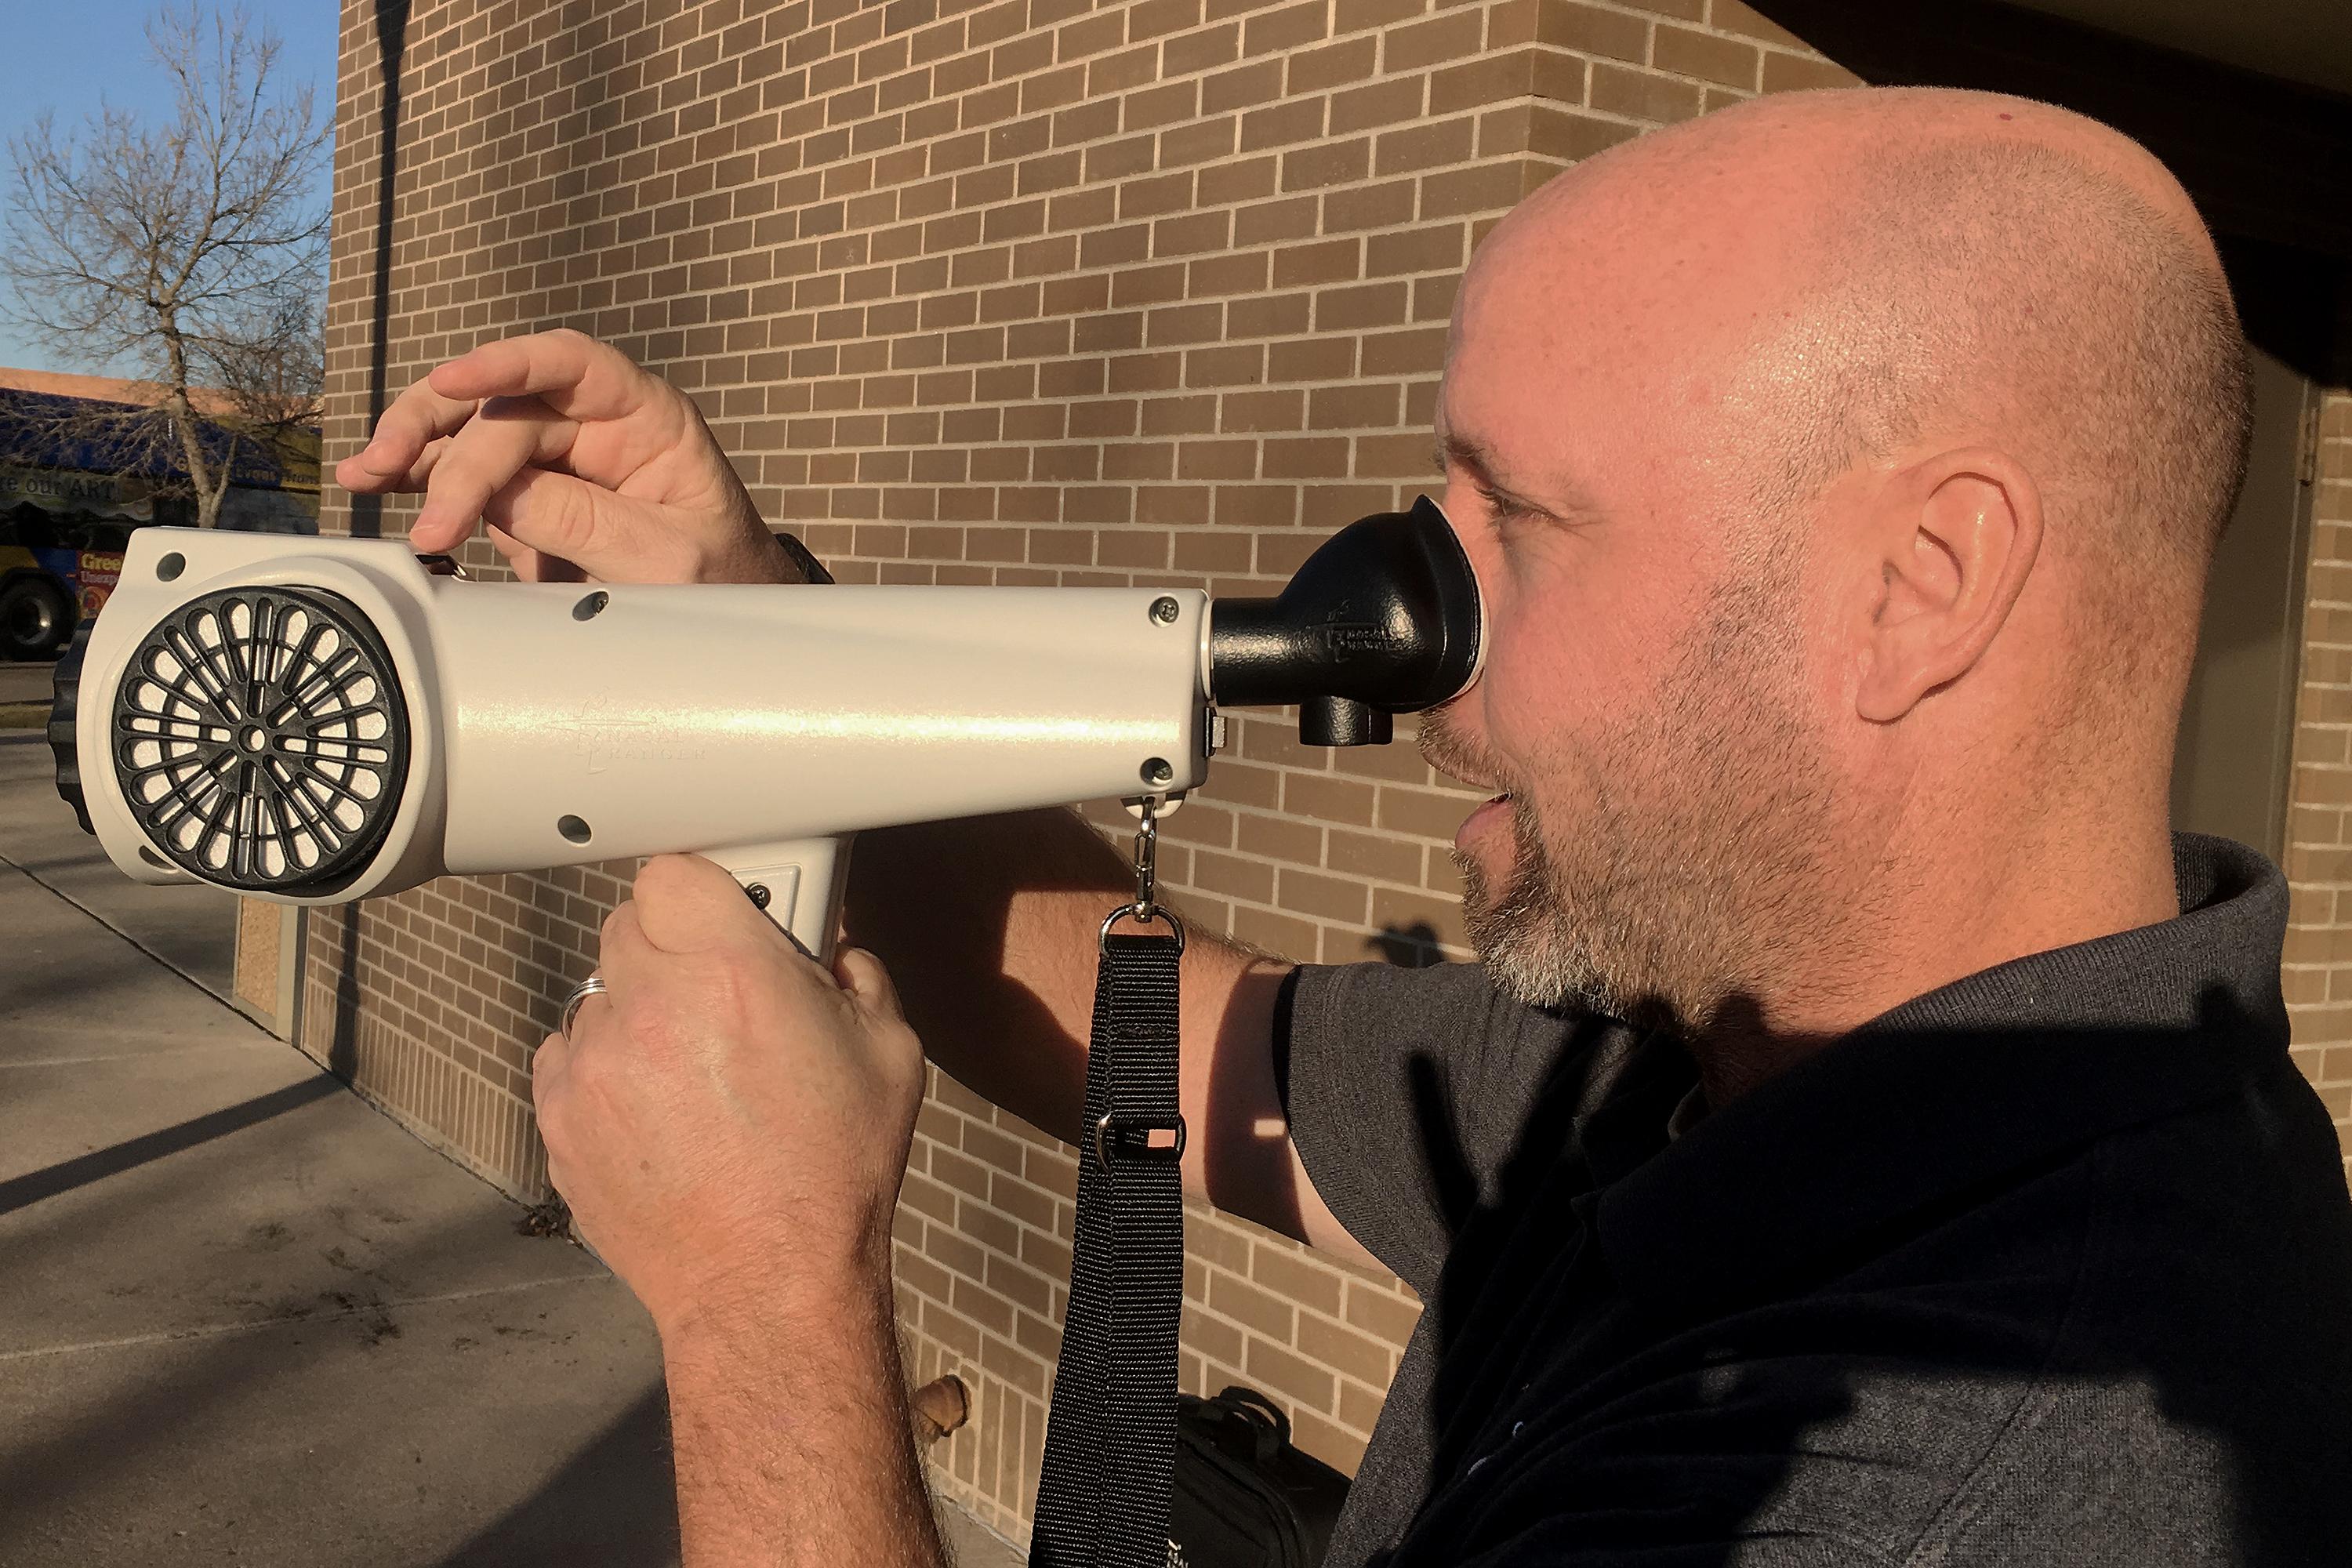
x=799 y=882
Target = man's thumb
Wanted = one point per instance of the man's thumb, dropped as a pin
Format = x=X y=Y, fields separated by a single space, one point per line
x=862 y=975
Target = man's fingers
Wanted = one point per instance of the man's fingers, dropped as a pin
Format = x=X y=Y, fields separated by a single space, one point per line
x=569 y=371
x=622 y=948
x=607 y=536
x=507 y=435
x=632 y=417
x=416 y=418
x=547 y=1063
x=412 y=479
x=542 y=514
x=574 y=377
x=531 y=565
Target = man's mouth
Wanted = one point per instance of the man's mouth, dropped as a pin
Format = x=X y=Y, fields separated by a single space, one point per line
x=1485 y=819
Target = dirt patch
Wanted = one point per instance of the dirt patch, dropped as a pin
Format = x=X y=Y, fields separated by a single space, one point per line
x=552 y=1218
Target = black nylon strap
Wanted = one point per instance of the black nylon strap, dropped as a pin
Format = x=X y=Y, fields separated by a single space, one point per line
x=1110 y=1441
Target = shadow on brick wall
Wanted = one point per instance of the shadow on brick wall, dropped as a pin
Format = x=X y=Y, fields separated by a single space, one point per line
x=392 y=40
x=1414 y=946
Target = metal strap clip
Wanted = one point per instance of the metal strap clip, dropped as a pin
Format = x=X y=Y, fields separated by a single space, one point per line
x=1145 y=908
x=1147 y=862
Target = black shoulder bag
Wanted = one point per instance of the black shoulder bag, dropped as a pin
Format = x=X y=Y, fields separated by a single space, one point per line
x=1244 y=1497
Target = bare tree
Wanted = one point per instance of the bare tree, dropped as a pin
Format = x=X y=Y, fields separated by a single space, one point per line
x=189 y=251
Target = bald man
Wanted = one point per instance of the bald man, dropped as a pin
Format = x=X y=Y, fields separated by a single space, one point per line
x=1868 y=1137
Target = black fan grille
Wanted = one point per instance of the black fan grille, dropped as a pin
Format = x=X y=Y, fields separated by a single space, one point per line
x=260 y=740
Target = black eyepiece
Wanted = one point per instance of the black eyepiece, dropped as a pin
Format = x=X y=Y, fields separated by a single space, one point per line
x=1382 y=619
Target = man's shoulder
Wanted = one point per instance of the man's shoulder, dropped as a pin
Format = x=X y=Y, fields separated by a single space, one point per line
x=2140 y=1352
x=1963 y=1418
x=1446 y=1035
x=1461 y=991
x=1881 y=1462
x=1400 y=1035
x=2208 y=1343
x=1452 y=1015
x=1409 y=1090
x=2218 y=1246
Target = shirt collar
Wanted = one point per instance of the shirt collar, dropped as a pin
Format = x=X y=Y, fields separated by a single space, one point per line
x=2006 y=1068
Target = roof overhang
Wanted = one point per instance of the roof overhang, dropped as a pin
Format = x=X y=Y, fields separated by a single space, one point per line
x=2296 y=40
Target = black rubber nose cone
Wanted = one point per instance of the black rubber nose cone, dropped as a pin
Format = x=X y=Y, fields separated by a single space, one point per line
x=63 y=704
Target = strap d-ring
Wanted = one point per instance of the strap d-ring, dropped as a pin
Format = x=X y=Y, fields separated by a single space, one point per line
x=1140 y=917
x=1130 y=1137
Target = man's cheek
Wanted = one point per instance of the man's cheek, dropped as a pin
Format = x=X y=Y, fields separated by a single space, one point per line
x=1532 y=684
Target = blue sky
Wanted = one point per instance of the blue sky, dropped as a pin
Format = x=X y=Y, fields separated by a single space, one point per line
x=70 y=55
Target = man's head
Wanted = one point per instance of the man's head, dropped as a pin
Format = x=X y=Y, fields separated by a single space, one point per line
x=1842 y=471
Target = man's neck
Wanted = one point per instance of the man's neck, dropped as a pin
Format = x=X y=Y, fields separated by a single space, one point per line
x=1928 y=924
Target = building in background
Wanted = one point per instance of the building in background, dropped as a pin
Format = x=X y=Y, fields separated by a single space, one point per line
x=1155 y=292
x=71 y=488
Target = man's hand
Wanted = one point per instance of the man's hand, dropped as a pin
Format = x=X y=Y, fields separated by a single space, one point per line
x=730 y=1123
x=581 y=463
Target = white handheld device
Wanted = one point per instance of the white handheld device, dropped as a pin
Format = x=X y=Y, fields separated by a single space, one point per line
x=315 y=721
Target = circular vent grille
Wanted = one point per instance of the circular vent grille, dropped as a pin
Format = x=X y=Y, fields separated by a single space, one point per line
x=260 y=740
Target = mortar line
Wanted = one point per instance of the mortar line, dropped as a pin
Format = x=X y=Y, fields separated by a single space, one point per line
x=215 y=1331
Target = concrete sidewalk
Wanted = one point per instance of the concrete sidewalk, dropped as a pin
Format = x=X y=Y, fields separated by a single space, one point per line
x=245 y=1318
x=26 y=683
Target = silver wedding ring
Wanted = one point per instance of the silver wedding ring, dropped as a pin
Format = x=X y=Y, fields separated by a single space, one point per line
x=592 y=987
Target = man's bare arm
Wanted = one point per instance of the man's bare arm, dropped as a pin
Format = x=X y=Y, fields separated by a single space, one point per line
x=791 y=1439
x=989 y=927
x=731 y=1123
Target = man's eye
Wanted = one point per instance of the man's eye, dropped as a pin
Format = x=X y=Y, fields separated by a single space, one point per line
x=1504 y=510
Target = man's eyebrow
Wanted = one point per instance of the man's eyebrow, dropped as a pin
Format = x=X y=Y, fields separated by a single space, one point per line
x=1455 y=451
x=1477 y=460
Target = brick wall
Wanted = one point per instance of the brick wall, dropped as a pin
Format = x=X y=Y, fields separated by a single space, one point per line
x=1030 y=292
x=2318 y=969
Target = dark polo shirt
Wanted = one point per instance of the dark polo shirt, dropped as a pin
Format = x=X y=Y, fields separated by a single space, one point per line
x=2051 y=1265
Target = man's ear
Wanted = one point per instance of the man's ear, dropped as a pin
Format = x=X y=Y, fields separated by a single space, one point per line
x=1955 y=536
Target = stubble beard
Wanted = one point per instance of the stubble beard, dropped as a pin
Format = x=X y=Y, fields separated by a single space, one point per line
x=1697 y=834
